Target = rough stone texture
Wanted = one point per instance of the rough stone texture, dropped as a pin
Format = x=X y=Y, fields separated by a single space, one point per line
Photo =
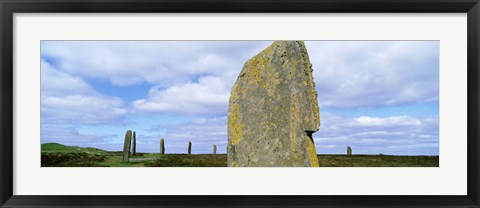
x=189 y=148
x=134 y=143
x=273 y=110
x=214 y=151
x=162 y=146
x=126 y=146
x=349 y=151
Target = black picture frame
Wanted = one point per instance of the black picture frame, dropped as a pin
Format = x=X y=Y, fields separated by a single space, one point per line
x=10 y=7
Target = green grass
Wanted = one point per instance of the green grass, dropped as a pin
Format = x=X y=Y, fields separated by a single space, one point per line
x=57 y=155
x=72 y=159
x=377 y=161
x=116 y=161
x=55 y=147
x=184 y=160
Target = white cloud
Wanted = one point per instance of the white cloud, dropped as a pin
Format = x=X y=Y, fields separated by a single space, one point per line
x=162 y=63
x=348 y=74
x=208 y=96
x=203 y=133
x=69 y=99
x=353 y=74
x=81 y=109
x=370 y=135
x=390 y=121
x=56 y=83
x=69 y=135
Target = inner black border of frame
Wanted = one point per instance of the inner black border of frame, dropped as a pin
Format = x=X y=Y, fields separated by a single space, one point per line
x=9 y=7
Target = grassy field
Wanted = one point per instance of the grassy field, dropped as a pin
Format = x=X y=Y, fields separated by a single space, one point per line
x=57 y=155
x=377 y=161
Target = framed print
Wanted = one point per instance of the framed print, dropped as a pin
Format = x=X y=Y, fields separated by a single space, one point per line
x=246 y=104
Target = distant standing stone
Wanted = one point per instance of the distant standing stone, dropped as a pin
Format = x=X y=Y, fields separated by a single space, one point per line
x=126 y=146
x=162 y=146
x=273 y=110
x=214 y=151
x=349 y=151
x=189 y=148
x=134 y=143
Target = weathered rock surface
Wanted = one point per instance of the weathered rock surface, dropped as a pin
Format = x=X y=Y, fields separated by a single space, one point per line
x=162 y=146
x=273 y=110
x=126 y=146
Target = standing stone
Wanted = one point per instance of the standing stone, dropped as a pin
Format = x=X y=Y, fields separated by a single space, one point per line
x=162 y=146
x=273 y=110
x=214 y=151
x=134 y=144
x=189 y=148
x=126 y=146
x=349 y=151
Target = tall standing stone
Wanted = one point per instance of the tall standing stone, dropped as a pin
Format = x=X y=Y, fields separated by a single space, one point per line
x=134 y=143
x=349 y=151
x=162 y=146
x=126 y=146
x=273 y=110
x=189 y=148
x=214 y=151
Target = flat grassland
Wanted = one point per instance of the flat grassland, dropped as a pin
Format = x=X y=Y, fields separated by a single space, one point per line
x=57 y=155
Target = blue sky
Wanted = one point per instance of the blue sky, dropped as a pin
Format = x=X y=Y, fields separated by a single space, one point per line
x=375 y=96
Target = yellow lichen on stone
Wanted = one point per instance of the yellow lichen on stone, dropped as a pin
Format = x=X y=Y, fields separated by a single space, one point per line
x=290 y=76
x=256 y=65
x=294 y=63
x=293 y=124
x=234 y=94
x=313 y=93
x=316 y=111
x=255 y=74
x=272 y=83
x=272 y=108
x=243 y=90
x=312 y=153
x=235 y=125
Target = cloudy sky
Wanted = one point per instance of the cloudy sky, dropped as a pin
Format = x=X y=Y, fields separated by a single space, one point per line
x=375 y=96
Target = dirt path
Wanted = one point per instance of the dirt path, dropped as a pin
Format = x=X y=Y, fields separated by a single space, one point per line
x=140 y=159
